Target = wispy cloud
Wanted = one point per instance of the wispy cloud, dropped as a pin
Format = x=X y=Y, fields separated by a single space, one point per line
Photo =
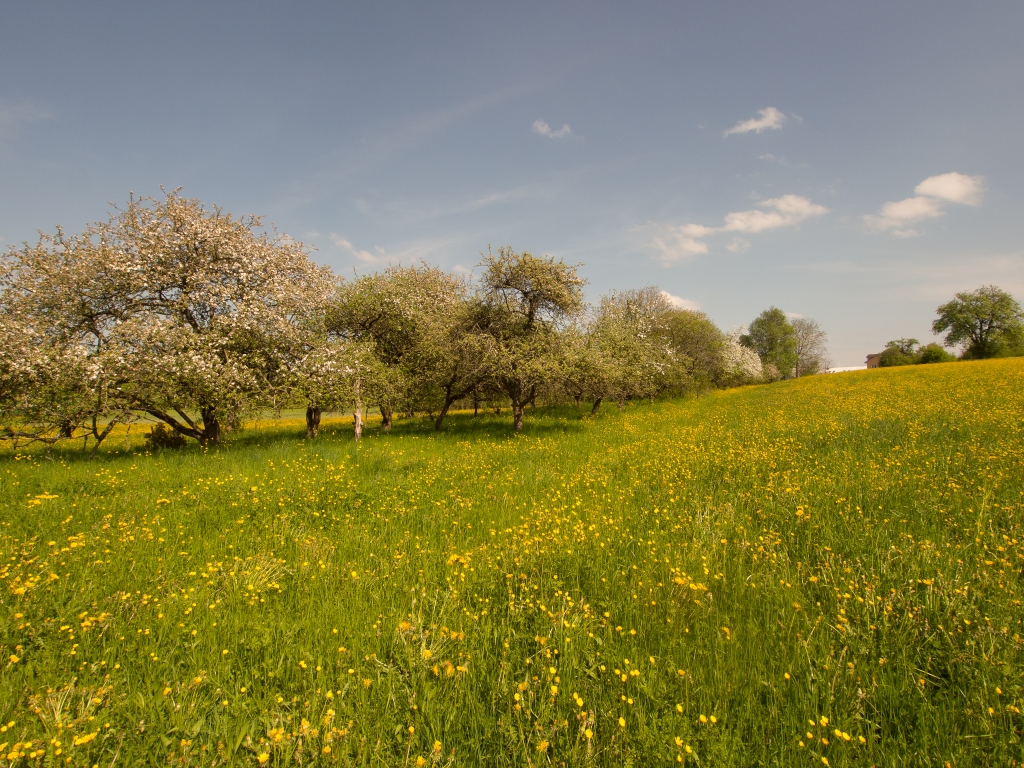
x=901 y=216
x=436 y=250
x=680 y=242
x=540 y=126
x=13 y=117
x=367 y=257
x=385 y=145
x=768 y=118
x=680 y=303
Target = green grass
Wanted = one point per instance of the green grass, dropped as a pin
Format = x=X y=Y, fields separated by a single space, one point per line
x=845 y=550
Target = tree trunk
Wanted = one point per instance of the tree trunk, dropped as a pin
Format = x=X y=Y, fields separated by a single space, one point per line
x=597 y=404
x=211 y=427
x=476 y=403
x=67 y=429
x=440 y=417
x=312 y=422
x=386 y=417
x=100 y=435
x=577 y=398
x=622 y=403
x=357 y=415
x=518 y=410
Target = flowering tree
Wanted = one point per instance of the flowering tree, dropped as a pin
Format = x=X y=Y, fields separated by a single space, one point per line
x=191 y=311
x=415 y=318
x=740 y=364
x=334 y=375
x=524 y=302
x=49 y=390
x=633 y=357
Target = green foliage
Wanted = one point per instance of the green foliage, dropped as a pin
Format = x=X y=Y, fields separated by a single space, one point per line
x=524 y=302
x=698 y=341
x=934 y=353
x=907 y=352
x=774 y=339
x=162 y=436
x=988 y=322
x=836 y=555
x=899 y=352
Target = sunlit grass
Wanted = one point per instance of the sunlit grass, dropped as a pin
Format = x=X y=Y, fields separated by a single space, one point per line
x=820 y=570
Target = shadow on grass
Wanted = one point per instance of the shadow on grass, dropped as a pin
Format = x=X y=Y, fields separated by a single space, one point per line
x=459 y=426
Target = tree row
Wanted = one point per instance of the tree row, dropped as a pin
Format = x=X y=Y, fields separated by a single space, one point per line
x=196 y=318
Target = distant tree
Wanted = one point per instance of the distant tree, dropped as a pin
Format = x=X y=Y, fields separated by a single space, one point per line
x=774 y=339
x=634 y=356
x=525 y=301
x=934 y=353
x=899 y=352
x=740 y=364
x=697 y=342
x=415 y=319
x=988 y=321
x=811 y=352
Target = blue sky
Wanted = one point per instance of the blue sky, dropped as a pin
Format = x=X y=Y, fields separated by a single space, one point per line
x=856 y=163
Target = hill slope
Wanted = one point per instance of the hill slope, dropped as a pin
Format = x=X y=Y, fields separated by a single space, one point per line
x=820 y=570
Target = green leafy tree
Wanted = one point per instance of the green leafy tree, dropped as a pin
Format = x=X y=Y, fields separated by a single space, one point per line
x=934 y=353
x=774 y=339
x=698 y=343
x=899 y=352
x=988 y=322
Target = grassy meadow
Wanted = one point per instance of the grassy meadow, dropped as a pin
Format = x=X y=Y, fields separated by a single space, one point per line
x=826 y=571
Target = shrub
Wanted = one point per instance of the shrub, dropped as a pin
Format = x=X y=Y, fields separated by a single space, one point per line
x=162 y=436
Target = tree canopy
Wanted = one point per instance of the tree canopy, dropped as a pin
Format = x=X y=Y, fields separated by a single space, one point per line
x=195 y=318
x=987 y=322
x=774 y=339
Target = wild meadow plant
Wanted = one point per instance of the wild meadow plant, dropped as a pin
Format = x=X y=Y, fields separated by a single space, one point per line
x=824 y=571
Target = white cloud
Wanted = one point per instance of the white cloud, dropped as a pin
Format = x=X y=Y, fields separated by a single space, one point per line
x=681 y=303
x=785 y=211
x=954 y=187
x=541 y=127
x=370 y=258
x=770 y=119
x=900 y=216
x=679 y=242
x=676 y=246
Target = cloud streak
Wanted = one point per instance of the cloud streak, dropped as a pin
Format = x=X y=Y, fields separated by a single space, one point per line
x=14 y=116
x=768 y=118
x=367 y=257
x=681 y=242
x=900 y=217
x=541 y=127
